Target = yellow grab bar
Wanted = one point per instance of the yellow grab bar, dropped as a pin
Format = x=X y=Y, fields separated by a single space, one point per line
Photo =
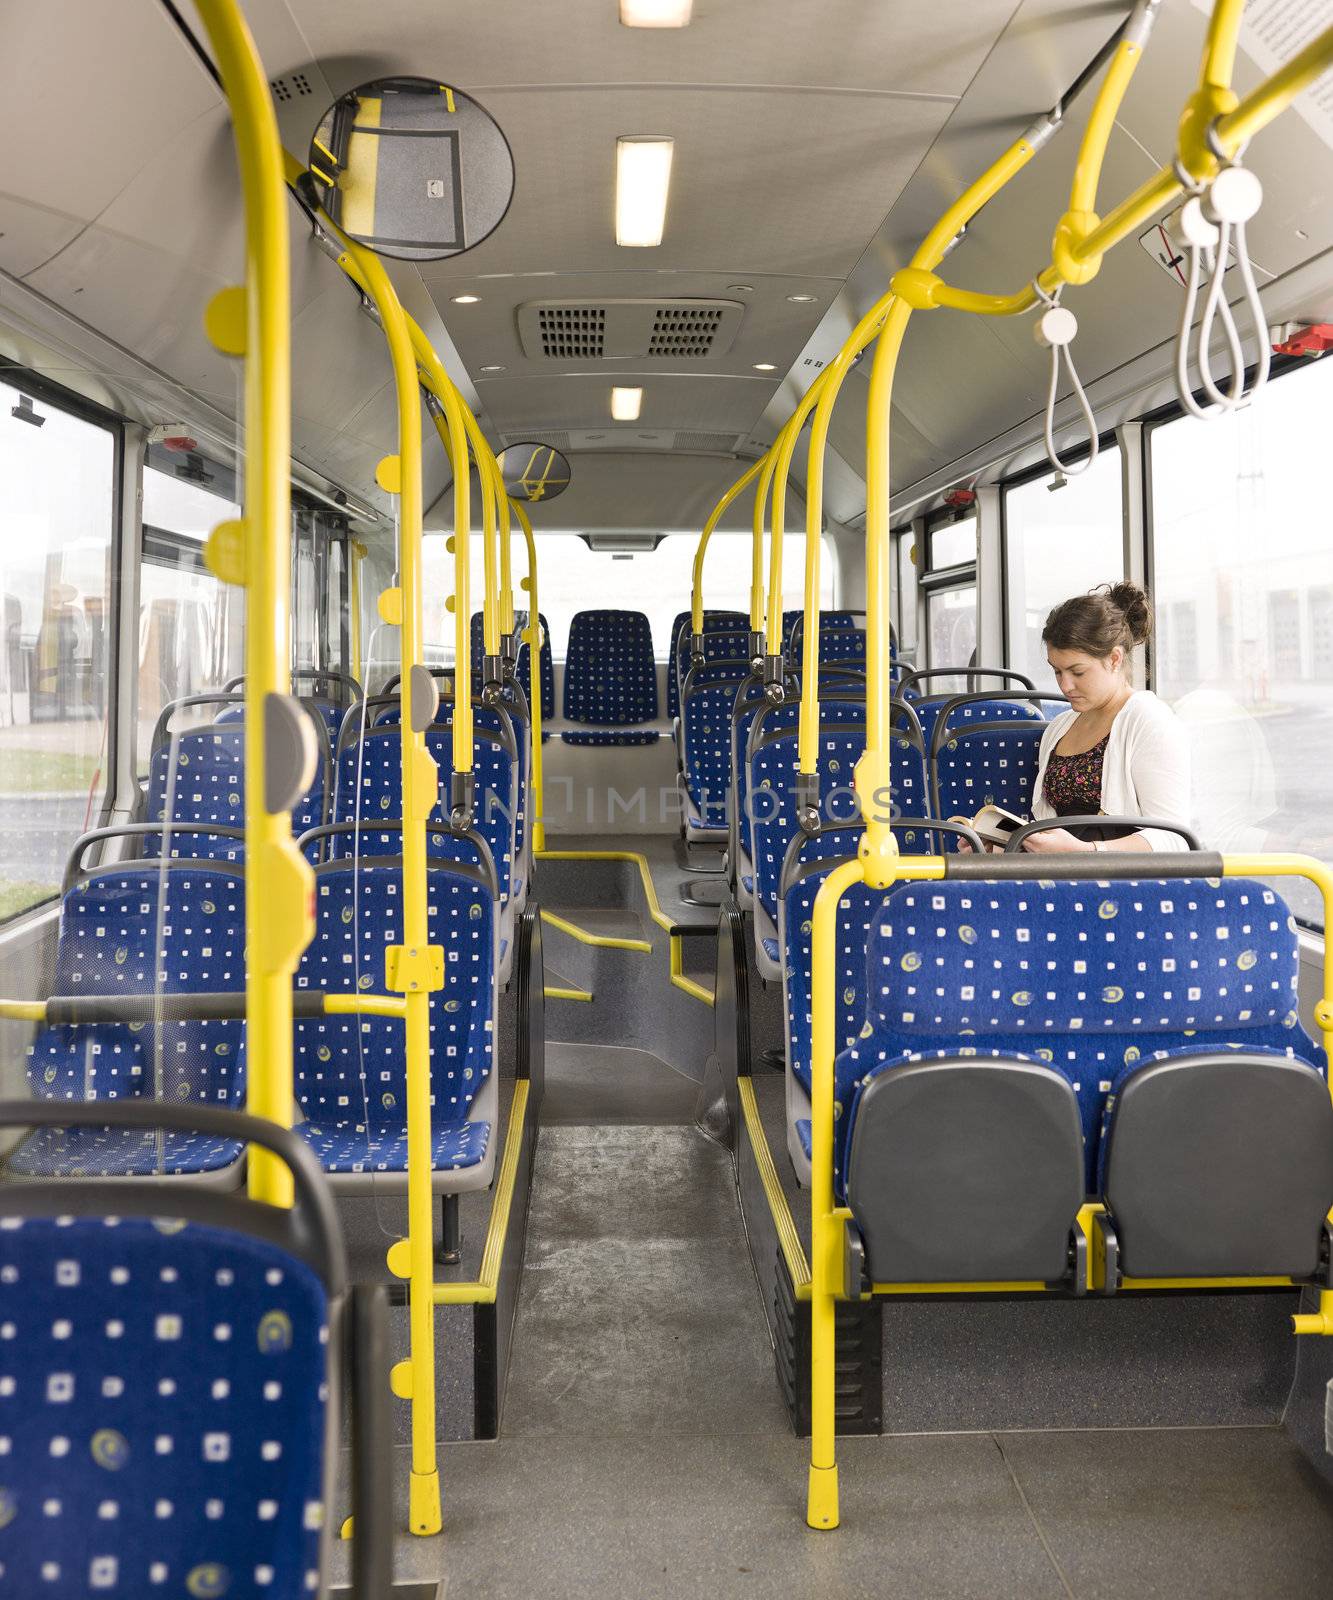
x=280 y=920
x=715 y=516
x=533 y=635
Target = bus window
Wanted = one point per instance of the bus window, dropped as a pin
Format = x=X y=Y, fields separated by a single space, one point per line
x=190 y=623
x=1060 y=542
x=1243 y=581
x=951 y=631
x=57 y=521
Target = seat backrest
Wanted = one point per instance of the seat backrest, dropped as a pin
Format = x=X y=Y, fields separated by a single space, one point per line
x=167 y=1426
x=545 y=669
x=959 y=711
x=199 y=776
x=827 y=620
x=987 y=764
x=354 y=1068
x=144 y=928
x=610 y=676
x=1089 y=977
x=370 y=788
x=706 y=716
x=723 y=621
x=721 y=645
x=771 y=799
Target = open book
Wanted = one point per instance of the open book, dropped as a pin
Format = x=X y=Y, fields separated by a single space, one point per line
x=993 y=825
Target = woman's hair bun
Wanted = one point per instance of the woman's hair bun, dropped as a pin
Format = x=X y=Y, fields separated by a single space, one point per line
x=1136 y=609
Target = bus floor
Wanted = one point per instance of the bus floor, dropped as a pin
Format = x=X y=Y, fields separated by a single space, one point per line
x=644 y=1450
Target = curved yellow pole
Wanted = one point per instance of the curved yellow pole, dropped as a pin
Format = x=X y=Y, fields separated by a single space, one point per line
x=533 y=634
x=256 y=553
x=413 y=968
x=757 y=617
x=783 y=446
x=452 y=429
x=506 y=571
x=697 y=594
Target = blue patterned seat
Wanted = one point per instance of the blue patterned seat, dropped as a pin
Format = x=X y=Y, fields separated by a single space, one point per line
x=722 y=621
x=1094 y=979
x=375 y=764
x=960 y=711
x=162 y=1411
x=721 y=645
x=545 y=668
x=199 y=776
x=610 y=679
x=987 y=765
x=141 y=929
x=706 y=722
x=350 y=1072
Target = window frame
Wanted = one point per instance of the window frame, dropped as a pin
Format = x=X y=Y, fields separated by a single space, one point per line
x=58 y=398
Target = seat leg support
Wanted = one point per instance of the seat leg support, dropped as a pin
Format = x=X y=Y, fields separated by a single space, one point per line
x=450 y=1252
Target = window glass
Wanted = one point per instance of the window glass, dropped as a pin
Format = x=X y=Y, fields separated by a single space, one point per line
x=1060 y=542
x=951 y=627
x=953 y=544
x=1243 y=573
x=335 y=606
x=904 y=593
x=190 y=623
x=305 y=592
x=571 y=578
x=57 y=521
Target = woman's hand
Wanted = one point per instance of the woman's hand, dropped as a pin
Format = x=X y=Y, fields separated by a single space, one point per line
x=1054 y=841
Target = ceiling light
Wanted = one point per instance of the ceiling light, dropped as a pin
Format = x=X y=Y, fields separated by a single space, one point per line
x=643 y=175
x=655 y=13
x=740 y=288
x=465 y=299
x=492 y=369
x=625 y=404
x=800 y=299
x=764 y=366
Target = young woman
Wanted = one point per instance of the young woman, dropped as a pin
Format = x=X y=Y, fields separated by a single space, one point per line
x=1117 y=750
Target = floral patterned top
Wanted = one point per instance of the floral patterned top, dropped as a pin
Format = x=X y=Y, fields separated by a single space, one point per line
x=1073 y=784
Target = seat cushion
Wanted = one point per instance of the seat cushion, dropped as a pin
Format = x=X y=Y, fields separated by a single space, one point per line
x=121 y=1153
x=345 y=1147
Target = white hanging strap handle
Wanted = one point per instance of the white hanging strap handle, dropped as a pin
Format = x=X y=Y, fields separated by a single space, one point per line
x=1055 y=329
x=1212 y=221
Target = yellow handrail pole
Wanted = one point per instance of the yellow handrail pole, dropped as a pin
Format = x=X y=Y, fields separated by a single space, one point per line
x=715 y=516
x=256 y=553
x=777 y=517
x=1233 y=128
x=490 y=610
x=452 y=429
x=533 y=635
x=757 y=616
x=506 y=570
x=822 y=1491
x=1213 y=95
x=414 y=968
x=872 y=771
x=834 y=374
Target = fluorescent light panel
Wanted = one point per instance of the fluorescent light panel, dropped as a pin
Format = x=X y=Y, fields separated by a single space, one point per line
x=625 y=404
x=643 y=176
x=655 y=13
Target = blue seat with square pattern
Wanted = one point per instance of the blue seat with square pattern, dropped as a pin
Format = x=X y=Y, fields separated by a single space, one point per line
x=610 y=679
x=350 y=1071
x=681 y=632
x=139 y=929
x=165 y=1425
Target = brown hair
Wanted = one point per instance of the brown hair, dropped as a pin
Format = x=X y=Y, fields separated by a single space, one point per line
x=1095 y=623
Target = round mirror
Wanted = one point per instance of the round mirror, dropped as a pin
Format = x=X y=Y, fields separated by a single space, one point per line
x=533 y=472
x=412 y=168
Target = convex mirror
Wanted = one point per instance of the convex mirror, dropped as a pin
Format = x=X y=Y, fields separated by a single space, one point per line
x=533 y=472
x=412 y=168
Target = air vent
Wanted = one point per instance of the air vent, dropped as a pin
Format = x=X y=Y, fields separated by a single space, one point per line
x=572 y=333
x=707 y=444
x=670 y=331
x=557 y=439
x=292 y=87
x=686 y=331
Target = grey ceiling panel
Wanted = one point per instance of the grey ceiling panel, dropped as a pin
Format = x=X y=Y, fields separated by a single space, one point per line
x=844 y=44
x=582 y=401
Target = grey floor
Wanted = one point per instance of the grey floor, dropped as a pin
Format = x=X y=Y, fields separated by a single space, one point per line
x=644 y=1450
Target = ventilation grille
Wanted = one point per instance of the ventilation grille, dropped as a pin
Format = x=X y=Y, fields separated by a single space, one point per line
x=292 y=87
x=572 y=333
x=705 y=443
x=687 y=331
x=675 y=331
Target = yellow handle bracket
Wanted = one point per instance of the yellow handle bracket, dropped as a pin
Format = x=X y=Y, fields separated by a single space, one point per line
x=225 y=552
x=413 y=970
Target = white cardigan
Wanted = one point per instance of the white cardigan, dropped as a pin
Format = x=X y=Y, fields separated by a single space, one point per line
x=1145 y=767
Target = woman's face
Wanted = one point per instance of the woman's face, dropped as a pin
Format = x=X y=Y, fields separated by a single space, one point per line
x=1088 y=682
